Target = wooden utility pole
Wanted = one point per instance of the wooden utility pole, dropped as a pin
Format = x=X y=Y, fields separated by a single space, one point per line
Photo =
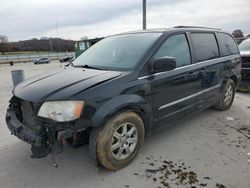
x=144 y=21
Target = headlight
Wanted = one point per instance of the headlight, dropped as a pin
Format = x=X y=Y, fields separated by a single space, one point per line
x=61 y=111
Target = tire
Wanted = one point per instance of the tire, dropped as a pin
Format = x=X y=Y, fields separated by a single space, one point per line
x=115 y=133
x=227 y=96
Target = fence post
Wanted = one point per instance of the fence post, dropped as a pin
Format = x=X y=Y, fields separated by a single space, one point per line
x=17 y=76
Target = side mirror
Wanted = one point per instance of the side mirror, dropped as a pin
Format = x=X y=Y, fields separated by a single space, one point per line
x=164 y=64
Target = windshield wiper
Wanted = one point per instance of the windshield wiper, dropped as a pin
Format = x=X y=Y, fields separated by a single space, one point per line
x=88 y=67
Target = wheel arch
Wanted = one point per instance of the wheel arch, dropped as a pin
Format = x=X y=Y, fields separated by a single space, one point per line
x=121 y=104
x=231 y=75
x=234 y=78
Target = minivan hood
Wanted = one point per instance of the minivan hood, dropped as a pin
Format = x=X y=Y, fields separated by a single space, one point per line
x=61 y=84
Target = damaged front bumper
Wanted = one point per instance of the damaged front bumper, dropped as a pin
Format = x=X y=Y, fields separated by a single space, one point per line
x=45 y=136
x=43 y=142
x=19 y=130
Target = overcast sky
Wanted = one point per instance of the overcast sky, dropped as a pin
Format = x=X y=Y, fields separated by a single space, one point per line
x=25 y=19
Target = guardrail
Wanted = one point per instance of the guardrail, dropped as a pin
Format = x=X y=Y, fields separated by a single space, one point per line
x=19 y=58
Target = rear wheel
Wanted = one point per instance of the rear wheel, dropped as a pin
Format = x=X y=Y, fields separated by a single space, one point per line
x=227 y=96
x=117 y=143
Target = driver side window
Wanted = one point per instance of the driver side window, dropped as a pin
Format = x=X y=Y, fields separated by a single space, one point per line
x=177 y=47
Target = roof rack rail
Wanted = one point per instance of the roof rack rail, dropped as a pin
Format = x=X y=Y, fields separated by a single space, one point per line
x=183 y=26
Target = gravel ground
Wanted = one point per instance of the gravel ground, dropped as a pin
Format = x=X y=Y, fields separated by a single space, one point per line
x=209 y=149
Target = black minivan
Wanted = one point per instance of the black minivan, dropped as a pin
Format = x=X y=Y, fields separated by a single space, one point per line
x=122 y=88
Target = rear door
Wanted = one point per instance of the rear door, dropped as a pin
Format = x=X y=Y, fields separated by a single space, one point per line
x=207 y=59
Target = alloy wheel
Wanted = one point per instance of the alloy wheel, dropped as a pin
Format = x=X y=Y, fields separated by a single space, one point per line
x=228 y=94
x=124 y=141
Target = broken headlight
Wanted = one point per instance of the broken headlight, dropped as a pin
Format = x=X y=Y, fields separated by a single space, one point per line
x=61 y=111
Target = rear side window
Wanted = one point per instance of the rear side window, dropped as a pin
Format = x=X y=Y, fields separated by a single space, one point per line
x=205 y=46
x=175 y=46
x=227 y=44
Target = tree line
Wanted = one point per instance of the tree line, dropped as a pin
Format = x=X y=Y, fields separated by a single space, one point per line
x=43 y=44
x=60 y=45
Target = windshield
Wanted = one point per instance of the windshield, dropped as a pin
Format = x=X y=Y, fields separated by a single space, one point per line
x=121 y=52
x=245 y=45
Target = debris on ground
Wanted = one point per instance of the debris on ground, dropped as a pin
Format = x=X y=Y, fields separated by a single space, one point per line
x=168 y=173
x=244 y=129
x=203 y=184
x=207 y=178
x=230 y=118
x=218 y=185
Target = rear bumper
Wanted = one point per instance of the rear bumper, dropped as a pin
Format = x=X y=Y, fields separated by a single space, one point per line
x=23 y=133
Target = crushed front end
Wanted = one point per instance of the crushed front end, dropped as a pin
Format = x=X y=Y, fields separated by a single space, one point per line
x=45 y=136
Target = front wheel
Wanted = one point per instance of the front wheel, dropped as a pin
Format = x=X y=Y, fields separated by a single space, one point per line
x=118 y=142
x=227 y=96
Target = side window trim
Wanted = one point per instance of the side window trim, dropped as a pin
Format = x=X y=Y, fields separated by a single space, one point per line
x=218 y=45
x=199 y=64
x=206 y=32
x=191 y=48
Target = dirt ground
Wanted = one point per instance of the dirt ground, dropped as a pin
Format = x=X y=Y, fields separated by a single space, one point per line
x=209 y=149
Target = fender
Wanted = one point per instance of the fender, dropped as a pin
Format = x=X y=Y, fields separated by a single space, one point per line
x=127 y=101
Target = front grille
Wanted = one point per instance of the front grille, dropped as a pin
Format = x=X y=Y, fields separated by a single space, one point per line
x=27 y=113
x=245 y=78
x=245 y=62
x=29 y=117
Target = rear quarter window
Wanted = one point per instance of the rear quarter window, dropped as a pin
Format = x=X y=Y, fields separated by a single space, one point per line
x=205 y=46
x=227 y=44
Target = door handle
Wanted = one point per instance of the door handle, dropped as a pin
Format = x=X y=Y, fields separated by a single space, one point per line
x=203 y=71
x=191 y=75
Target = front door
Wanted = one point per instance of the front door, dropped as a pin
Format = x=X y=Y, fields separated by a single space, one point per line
x=174 y=92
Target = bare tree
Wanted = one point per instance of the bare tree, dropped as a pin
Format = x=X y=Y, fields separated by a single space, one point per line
x=3 y=44
x=238 y=34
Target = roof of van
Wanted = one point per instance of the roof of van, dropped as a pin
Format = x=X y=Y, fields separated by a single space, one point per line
x=163 y=30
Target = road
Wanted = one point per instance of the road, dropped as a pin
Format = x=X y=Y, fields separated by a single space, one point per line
x=210 y=149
